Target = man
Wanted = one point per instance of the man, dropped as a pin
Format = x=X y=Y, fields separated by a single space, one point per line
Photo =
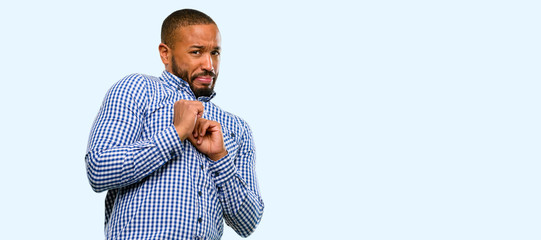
x=173 y=163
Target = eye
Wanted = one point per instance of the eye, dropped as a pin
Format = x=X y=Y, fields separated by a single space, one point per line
x=215 y=53
x=196 y=52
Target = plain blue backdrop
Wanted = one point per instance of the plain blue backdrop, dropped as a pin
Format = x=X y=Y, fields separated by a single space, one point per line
x=372 y=119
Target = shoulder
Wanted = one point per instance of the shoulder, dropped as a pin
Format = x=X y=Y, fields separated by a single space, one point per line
x=136 y=86
x=133 y=90
x=135 y=82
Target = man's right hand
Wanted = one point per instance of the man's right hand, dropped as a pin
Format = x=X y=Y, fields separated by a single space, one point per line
x=185 y=116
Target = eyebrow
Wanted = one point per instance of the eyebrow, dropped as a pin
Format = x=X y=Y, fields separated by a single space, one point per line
x=202 y=47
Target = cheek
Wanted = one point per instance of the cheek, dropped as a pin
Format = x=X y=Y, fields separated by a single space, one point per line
x=216 y=65
x=182 y=61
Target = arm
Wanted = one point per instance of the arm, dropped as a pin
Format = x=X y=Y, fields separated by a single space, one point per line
x=238 y=191
x=116 y=156
x=234 y=174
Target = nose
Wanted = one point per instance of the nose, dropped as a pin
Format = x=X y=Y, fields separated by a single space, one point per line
x=207 y=63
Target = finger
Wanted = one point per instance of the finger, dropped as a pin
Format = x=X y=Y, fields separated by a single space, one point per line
x=192 y=139
x=213 y=127
x=197 y=133
x=199 y=108
x=195 y=129
x=205 y=124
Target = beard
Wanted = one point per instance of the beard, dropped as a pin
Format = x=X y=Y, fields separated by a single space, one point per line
x=198 y=92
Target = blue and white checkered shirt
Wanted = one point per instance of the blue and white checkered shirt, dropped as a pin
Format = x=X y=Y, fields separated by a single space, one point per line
x=160 y=187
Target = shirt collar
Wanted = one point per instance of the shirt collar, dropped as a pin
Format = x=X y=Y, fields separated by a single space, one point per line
x=180 y=84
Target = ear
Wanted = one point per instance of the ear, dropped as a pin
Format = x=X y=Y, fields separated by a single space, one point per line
x=165 y=54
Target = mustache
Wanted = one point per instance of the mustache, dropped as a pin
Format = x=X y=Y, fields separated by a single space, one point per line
x=204 y=73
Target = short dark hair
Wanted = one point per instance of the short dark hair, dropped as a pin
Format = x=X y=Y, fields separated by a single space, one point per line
x=182 y=18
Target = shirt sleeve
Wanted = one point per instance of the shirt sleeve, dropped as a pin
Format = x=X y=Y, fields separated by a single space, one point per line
x=238 y=190
x=117 y=156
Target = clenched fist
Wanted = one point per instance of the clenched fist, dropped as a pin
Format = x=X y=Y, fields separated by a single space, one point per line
x=207 y=137
x=185 y=116
x=204 y=134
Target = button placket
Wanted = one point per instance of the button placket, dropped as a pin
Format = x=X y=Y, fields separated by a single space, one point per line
x=203 y=182
x=199 y=173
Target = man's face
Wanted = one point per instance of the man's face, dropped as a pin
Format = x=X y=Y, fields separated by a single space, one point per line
x=196 y=57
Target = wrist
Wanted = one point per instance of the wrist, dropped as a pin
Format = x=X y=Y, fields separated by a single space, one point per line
x=182 y=135
x=218 y=156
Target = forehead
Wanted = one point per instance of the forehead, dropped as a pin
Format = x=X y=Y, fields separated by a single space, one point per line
x=207 y=34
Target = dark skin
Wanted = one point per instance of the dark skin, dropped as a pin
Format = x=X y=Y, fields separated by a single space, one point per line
x=195 y=57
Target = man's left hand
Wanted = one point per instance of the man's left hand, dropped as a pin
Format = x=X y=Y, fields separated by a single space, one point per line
x=208 y=139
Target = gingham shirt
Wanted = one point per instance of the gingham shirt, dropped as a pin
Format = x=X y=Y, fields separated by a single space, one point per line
x=160 y=187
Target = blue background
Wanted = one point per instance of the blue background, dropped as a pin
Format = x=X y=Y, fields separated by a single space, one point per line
x=372 y=120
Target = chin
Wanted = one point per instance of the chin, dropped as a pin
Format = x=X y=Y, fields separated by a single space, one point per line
x=203 y=92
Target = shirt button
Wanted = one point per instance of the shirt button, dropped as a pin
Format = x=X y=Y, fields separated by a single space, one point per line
x=202 y=167
x=199 y=220
x=200 y=193
x=219 y=189
x=232 y=135
x=216 y=174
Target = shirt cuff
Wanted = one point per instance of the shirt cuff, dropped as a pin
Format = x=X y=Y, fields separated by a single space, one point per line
x=168 y=143
x=223 y=170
